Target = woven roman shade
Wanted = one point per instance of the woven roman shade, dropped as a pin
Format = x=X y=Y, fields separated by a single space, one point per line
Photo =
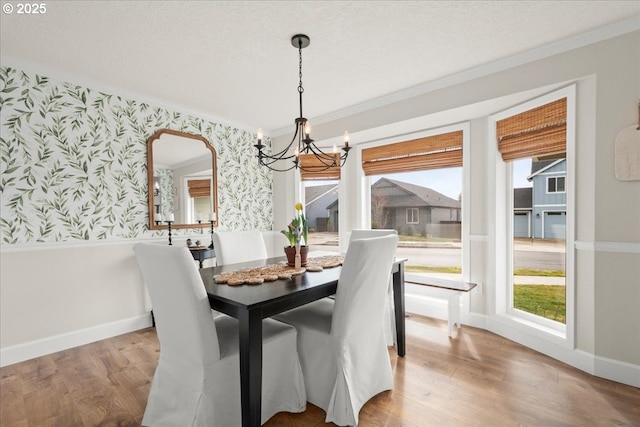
x=199 y=187
x=541 y=131
x=431 y=152
x=311 y=168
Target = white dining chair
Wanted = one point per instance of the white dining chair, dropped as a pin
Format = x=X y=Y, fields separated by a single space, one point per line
x=389 y=312
x=232 y=247
x=341 y=342
x=197 y=380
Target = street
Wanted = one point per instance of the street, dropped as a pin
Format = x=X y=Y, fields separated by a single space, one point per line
x=538 y=255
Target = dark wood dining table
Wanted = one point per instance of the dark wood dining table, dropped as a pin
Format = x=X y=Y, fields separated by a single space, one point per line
x=252 y=303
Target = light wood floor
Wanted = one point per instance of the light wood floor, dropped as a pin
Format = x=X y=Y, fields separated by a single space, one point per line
x=474 y=379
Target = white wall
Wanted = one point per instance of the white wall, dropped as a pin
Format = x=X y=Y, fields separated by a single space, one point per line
x=607 y=248
x=74 y=201
x=62 y=295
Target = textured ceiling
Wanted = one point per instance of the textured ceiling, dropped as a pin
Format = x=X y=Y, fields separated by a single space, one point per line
x=232 y=60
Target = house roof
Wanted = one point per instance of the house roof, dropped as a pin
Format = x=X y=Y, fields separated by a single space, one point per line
x=522 y=198
x=312 y=193
x=427 y=195
x=541 y=166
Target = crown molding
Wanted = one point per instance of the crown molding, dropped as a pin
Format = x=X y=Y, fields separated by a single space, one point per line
x=99 y=85
x=565 y=45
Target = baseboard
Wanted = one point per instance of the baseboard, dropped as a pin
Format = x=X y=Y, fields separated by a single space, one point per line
x=474 y=319
x=602 y=367
x=615 y=370
x=33 y=349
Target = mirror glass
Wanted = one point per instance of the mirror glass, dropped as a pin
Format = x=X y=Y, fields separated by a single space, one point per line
x=182 y=180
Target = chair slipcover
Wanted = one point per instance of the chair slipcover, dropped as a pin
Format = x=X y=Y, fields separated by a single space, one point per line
x=232 y=247
x=389 y=311
x=341 y=342
x=197 y=380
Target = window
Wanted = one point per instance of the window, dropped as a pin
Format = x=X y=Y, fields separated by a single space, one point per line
x=321 y=209
x=412 y=216
x=538 y=263
x=432 y=240
x=415 y=186
x=535 y=139
x=555 y=184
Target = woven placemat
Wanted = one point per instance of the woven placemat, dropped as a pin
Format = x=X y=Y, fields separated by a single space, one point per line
x=273 y=272
x=322 y=262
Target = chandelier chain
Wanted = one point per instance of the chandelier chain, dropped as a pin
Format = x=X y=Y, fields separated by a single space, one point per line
x=300 y=88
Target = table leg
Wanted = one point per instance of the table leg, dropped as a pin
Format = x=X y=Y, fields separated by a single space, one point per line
x=251 y=367
x=398 y=300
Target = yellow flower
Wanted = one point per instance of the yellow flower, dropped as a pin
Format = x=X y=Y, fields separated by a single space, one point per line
x=297 y=228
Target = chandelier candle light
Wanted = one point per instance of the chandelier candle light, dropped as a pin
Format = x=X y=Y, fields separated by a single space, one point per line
x=302 y=134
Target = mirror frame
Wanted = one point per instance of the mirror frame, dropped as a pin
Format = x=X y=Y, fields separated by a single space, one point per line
x=214 y=168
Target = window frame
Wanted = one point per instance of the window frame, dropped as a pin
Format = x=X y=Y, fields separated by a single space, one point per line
x=556 y=180
x=417 y=215
x=502 y=245
x=363 y=195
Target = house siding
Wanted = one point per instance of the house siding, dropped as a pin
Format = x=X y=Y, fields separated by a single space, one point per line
x=317 y=212
x=549 y=209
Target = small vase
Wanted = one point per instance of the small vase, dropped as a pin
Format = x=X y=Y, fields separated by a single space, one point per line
x=290 y=252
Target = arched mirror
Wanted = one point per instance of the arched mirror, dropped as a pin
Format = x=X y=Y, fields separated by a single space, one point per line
x=182 y=180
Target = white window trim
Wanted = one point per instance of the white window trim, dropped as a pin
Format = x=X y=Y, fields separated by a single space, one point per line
x=556 y=178
x=500 y=309
x=417 y=216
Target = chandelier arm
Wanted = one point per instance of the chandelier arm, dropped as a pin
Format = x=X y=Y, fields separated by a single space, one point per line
x=271 y=159
x=280 y=154
x=321 y=154
x=268 y=166
x=328 y=160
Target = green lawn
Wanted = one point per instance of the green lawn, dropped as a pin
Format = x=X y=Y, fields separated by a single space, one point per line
x=546 y=301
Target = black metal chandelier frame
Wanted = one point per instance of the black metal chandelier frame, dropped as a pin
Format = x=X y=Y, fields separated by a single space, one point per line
x=305 y=144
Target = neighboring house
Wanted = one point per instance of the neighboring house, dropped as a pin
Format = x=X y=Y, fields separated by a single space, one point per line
x=549 y=203
x=414 y=210
x=411 y=209
x=541 y=211
x=333 y=216
x=522 y=208
x=317 y=200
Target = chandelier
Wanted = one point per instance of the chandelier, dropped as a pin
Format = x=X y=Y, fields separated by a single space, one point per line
x=305 y=145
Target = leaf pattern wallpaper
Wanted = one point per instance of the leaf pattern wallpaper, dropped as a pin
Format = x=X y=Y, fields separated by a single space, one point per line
x=166 y=189
x=73 y=164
